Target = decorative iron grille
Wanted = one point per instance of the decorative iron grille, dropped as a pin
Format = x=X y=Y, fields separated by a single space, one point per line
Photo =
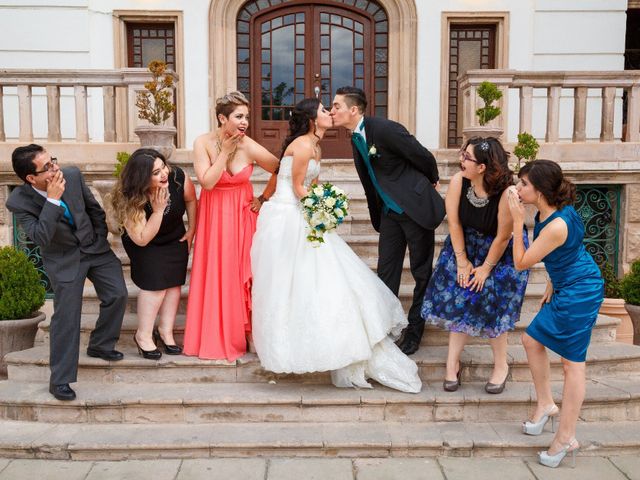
x=599 y=208
x=23 y=243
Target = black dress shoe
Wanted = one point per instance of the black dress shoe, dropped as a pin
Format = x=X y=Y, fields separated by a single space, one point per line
x=409 y=346
x=168 y=349
x=112 y=355
x=62 y=392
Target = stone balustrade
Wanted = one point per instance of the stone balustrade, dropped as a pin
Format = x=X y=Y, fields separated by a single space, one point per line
x=119 y=88
x=554 y=82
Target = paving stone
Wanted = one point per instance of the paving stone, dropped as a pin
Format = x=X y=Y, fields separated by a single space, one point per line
x=629 y=465
x=134 y=470
x=310 y=469
x=484 y=468
x=3 y=463
x=397 y=469
x=223 y=469
x=45 y=470
x=587 y=468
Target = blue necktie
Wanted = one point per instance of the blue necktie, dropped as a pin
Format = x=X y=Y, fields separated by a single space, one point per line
x=67 y=213
x=361 y=145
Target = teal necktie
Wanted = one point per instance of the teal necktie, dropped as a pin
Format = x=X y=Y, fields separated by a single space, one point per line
x=67 y=213
x=360 y=143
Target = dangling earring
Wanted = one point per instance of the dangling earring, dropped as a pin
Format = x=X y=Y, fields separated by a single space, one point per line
x=315 y=124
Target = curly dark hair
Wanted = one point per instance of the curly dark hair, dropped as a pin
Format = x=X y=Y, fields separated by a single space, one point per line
x=546 y=176
x=490 y=152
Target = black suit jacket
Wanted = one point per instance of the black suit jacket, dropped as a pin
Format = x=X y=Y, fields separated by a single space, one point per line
x=61 y=244
x=404 y=169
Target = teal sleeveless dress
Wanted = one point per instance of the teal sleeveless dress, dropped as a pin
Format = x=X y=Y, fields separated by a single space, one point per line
x=564 y=325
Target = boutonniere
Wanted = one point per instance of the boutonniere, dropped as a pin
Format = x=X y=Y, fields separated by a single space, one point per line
x=373 y=152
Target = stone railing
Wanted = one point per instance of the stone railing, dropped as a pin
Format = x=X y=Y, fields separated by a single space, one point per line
x=117 y=106
x=610 y=83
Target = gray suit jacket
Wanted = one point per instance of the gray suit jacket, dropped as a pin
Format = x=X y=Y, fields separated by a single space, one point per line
x=61 y=244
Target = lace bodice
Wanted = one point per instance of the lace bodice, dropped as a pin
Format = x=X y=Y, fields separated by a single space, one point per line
x=284 y=187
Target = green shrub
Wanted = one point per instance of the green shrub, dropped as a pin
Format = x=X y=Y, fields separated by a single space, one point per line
x=611 y=282
x=21 y=291
x=630 y=284
x=526 y=149
x=489 y=93
x=121 y=160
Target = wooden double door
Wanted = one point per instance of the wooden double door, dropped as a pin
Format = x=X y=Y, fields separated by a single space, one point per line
x=307 y=50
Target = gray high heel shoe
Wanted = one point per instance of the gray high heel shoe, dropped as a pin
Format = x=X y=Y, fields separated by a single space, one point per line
x=554 y=460
x=536 y=428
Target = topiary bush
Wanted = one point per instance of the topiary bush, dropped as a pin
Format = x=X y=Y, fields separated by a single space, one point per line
x=630 y=284
x=489 y=93
x=21 y=291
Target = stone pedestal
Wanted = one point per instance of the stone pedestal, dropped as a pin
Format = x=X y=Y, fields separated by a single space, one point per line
x=614 y=307
x=16 y=335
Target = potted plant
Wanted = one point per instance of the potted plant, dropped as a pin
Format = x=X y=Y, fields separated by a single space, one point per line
x=21 y=295
x=526 y=149
x=155 y=105
x=613 y=304
x=489 y=93
x=630 y=288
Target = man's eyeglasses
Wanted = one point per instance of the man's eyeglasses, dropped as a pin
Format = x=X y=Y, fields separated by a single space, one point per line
x=465 y=156
x=47 y=166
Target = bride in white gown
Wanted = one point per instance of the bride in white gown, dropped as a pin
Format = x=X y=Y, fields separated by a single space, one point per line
x=319 y=308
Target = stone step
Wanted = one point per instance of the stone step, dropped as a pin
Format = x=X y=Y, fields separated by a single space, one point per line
x=126 y=442
x=91 y=303
x=612 y=400
x=604 y=331
x=32 y=365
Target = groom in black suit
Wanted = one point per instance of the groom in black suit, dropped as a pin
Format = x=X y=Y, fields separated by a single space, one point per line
x=399 y=176
x=58 y=212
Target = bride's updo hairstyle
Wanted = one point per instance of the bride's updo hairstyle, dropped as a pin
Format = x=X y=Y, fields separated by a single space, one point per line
x=547 y=178
x=301 y=121
x=227 y=104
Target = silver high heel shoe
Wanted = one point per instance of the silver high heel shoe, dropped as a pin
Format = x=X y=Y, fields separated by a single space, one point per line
x=535 y=428
x=554 y=460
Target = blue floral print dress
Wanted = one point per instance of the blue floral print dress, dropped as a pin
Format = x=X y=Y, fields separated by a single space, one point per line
x=496 y=308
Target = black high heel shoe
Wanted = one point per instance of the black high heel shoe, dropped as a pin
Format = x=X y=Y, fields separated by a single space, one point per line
x=148 y=354
x=497 y=388
x=168 y=349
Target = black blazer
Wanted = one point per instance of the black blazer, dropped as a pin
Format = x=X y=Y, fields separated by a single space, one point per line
x=61 y=244
x=405 y=170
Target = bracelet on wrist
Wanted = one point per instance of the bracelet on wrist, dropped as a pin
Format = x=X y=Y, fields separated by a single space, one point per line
x=490 y=264
x=459 y=253
x=262 y=199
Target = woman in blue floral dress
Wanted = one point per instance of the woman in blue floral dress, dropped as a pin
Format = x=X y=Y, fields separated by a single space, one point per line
x=475 y=289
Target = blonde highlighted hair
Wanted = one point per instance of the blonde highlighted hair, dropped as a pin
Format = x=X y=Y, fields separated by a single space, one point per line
x=226 y=104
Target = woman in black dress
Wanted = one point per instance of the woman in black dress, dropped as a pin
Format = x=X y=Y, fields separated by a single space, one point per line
x=150 y=200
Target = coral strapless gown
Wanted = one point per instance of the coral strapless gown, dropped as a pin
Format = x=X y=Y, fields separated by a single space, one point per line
x=219 y=306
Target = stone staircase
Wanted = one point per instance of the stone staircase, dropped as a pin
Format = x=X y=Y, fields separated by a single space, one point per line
x=183 y=407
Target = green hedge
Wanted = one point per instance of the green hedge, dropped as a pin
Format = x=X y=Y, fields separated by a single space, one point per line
x=21 y=291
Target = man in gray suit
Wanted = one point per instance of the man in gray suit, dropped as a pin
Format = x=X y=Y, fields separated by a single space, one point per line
x=59 y=214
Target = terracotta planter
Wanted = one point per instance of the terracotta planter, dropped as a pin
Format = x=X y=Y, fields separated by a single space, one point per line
x=634 y=313
x=614 y=307
x=482 y=131
x=16 y=335
x=105 y=189
x=158 y=137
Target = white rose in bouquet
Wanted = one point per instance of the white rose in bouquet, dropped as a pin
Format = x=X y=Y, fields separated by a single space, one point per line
x=308 y=202
x=330 y=202
x=319 y=191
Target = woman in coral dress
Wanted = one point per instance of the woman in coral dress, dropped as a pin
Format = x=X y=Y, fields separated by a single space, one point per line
x=219 y=306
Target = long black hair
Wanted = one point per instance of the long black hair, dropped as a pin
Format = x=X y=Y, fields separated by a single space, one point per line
x=301 y=121
x=490 y=152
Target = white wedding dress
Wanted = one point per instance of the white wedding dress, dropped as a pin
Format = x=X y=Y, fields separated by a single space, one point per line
x=321 y=308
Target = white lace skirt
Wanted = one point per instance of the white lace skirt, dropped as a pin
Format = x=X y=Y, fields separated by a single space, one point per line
x=321 y=308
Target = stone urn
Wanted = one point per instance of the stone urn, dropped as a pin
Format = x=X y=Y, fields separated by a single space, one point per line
x=105 y=189
x=615 y=307
x=634 y=313
x=159 y=137
x=482 y=131
x=16 y=335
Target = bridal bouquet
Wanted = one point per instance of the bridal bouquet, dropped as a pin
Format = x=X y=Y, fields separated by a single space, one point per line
x=324 y=208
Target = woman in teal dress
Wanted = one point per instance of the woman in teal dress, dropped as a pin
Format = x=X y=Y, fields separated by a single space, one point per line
x=570 y=303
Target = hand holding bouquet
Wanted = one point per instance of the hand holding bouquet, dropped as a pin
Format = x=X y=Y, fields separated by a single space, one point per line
x=324 y=208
